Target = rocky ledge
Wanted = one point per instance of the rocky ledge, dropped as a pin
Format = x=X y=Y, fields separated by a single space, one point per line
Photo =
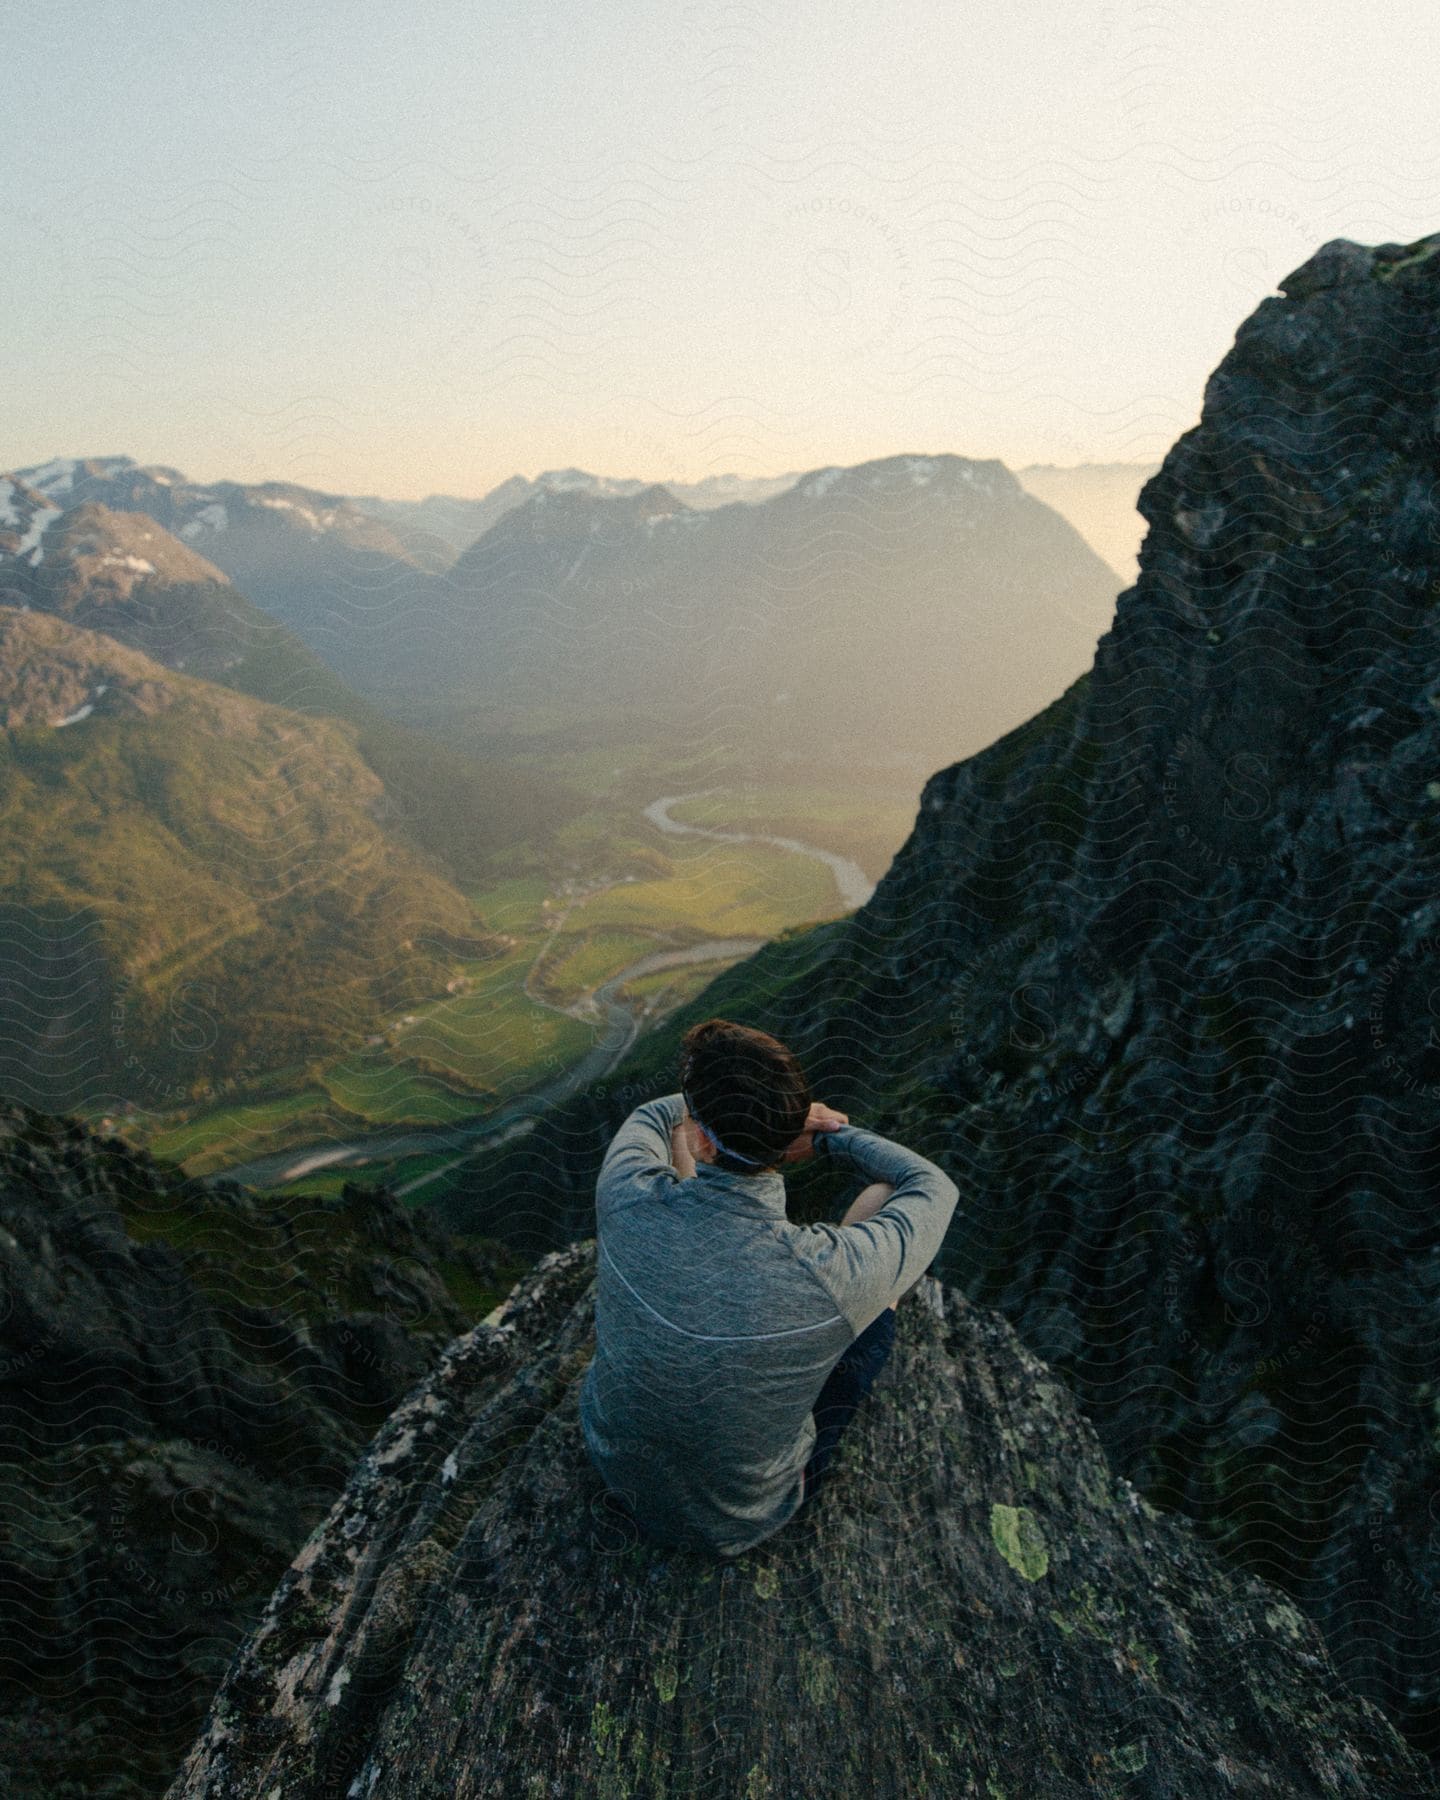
x=978 y=1606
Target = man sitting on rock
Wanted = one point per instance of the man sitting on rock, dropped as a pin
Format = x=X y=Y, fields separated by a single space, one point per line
x=731 y=1346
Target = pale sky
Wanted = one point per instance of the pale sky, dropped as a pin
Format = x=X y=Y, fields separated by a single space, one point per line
x=419 y=248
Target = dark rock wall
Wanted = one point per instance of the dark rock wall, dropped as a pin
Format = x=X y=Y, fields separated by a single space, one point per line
x=186 y=1377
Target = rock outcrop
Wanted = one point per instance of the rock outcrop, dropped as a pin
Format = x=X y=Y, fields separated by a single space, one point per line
x=977 y=1606
x=1156 y=978
x=186 y=1376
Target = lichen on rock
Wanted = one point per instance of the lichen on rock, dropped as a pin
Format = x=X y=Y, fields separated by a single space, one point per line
x=1019 y=1540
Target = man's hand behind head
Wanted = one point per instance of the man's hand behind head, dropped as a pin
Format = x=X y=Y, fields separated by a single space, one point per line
x=819 y=1118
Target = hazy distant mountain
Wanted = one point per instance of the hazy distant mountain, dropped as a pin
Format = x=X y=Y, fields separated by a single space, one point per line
x=299 y=553
x=449 y=522
x=458 y=522
x=909 y=607
x=217 y=515
x=123 y=574
x=720 y=490
x=1099 y=501
x=197 y=886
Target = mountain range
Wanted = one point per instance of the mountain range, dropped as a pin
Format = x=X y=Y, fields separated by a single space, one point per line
x=845 y=625
x=903 y=610
x=1097 y=498
x=457 y=522
x=588 y=600
x=1154 y=976
x=117 y=570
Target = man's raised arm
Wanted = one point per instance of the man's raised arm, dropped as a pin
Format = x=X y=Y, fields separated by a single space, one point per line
x=640 y=1151
x=869 y=1264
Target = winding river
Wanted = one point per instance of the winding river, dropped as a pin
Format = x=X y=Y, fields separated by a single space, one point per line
x=854 y=884
x=618 y=1031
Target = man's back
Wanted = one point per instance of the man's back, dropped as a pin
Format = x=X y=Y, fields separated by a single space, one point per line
x=717 y=1322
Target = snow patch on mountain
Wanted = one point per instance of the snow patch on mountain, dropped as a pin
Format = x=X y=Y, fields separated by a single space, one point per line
x=815 y=487
x=209 y=518
x=25 y=517
x=81 y=712
x=320 y=521
x=54 y=477
x=58 y=476
x=138 y=563
x=30 y=545
x=574 y=481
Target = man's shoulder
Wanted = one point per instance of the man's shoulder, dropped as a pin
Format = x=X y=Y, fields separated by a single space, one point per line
x=623 y=1187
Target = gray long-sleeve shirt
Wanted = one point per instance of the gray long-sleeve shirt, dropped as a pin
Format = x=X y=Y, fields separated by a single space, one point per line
x=717 y=1322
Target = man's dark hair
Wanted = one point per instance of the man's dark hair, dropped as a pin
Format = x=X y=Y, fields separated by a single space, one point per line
x=746 y=1087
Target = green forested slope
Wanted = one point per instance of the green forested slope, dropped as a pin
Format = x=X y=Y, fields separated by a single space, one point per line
x=196 y=885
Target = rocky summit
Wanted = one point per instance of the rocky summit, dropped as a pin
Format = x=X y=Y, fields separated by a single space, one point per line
x=977 y=1606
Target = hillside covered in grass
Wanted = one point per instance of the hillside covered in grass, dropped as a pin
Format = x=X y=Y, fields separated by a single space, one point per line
x=115 y=569
x=199 y=887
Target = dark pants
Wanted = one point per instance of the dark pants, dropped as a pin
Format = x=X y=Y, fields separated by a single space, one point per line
x=845 y=1387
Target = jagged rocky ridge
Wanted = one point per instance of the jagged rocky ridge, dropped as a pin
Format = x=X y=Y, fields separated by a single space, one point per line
x=186 y=1376
x=978 y=1606
x=1155 y=978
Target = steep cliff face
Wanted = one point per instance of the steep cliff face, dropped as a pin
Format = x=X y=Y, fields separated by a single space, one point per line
x=1170 y=957
x=1155 y=978
x=186 y=1376
x=977 y=1606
